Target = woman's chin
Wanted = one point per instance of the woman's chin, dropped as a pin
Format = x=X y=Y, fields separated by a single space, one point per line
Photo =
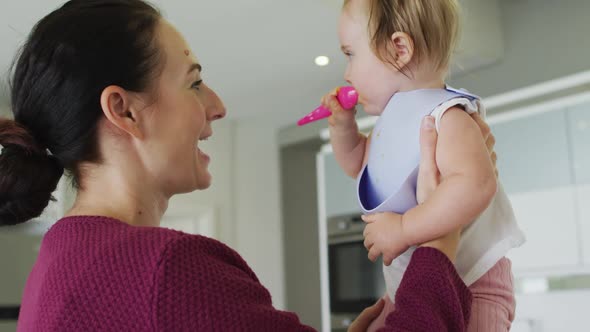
x=204 y=180
x=201 y=179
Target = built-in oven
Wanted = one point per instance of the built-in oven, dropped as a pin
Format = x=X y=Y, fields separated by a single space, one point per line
x=355 y=281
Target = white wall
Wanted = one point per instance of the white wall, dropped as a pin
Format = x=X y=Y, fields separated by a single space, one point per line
x=258 y=216
x=4 y=111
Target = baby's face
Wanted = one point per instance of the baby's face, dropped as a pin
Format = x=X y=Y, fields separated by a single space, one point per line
x=374 y=80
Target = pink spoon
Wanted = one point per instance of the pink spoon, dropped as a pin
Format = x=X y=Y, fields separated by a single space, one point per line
x=347 y=97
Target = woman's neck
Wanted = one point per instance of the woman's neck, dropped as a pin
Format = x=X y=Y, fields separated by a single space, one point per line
x=119 y=193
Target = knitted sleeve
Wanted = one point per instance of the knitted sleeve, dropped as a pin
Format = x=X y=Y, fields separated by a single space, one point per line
x=431 y=296
x=202 y=285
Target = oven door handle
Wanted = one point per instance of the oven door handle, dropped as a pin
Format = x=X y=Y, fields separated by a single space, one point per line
x=9 y=312
x=346 y=238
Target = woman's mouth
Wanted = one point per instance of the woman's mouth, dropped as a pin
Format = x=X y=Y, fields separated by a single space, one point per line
x=203 y=155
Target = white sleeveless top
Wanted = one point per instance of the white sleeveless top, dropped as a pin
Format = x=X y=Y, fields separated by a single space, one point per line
x=388 y=183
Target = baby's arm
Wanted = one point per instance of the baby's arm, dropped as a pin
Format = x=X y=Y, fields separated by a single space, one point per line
x=468 y=181
x=348 y=143
x=349 y=147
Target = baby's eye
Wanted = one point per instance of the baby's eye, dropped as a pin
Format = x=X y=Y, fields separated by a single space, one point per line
x=196 y=85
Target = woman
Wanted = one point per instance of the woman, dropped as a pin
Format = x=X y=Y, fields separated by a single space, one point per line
x=111 y=93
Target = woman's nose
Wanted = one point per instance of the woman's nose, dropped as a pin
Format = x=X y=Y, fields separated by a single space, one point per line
x=216 y=109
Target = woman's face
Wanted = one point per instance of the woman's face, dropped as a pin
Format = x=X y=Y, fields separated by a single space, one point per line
x=179 y=119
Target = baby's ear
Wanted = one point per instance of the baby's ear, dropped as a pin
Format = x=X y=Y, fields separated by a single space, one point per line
x=403 y=46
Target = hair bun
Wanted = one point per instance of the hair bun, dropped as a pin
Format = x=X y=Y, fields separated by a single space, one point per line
x=28 y=175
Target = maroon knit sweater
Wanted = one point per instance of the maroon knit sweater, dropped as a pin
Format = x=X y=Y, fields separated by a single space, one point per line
x=100 y=274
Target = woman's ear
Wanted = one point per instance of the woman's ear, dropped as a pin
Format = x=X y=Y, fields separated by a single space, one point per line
x=403 y=46
x=116 y=106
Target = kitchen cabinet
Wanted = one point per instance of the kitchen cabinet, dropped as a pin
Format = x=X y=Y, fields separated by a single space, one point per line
x=583 y=204
x=579 y=130
x=544 y=159
x=548 y=219
x=553 y=311
x=533 y=152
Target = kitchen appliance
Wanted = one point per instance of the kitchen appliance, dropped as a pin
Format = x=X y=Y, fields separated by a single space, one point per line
x=355 y=281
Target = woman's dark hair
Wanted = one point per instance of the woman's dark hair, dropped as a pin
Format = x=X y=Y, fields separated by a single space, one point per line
x=70 y=56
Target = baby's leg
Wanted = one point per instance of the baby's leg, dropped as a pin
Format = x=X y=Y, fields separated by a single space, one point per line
x=493 y=300
x=379 y=322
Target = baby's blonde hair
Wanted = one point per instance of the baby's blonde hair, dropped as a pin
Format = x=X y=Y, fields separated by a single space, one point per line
x=433 y=25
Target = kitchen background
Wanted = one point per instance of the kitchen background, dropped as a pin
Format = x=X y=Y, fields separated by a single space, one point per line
x=529 y=59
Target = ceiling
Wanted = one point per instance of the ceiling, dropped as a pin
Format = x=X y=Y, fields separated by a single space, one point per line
x=257 y=54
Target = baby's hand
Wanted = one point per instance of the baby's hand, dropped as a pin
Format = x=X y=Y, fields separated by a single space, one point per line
x=384 y=236
x=340 y=117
